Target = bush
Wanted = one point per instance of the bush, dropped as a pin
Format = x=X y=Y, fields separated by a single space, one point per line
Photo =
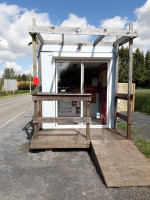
x=4 y=93
x=25 y=86
x=142 y=102
x=22 y=91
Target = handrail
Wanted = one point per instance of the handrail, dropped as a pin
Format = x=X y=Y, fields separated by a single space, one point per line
x=61 y=119
x=123 y=96
x=58 y=97
x=61 y=97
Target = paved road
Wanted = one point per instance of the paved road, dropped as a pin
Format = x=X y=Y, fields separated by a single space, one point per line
x=11 y=108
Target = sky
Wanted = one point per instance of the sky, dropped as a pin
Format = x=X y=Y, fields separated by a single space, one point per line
x=16 y=15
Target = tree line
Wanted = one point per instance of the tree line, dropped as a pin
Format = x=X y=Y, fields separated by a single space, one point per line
x=9 y=73
x=141 y=67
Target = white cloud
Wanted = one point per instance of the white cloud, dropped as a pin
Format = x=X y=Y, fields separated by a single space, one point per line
x=114 y=23
x=14 y=21
x=17 y=68
x=143 y=25
x=14 y=35
x=29 y=70
x=75 y=21
x=72 y=21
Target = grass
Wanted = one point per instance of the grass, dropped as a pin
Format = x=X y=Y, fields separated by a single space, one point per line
x=5 y=97
x=4 y=94
x=142 y=145
x=145 y=91
x=142 y=100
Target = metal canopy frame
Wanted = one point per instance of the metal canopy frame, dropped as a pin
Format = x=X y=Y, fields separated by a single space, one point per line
x=122 y=37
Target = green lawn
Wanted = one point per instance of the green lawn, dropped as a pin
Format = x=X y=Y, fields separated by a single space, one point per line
x=142 y=91
x=142 y=104
x=142 y=100
x=4 y=95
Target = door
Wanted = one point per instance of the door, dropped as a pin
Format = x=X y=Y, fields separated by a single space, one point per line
x=68 y=81
x=95 y=82
x=83 y=77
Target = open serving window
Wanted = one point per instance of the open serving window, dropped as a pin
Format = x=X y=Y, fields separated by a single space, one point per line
x=83 y=77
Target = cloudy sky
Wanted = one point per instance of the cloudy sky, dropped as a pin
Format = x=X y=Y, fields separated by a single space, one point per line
x=16 y=15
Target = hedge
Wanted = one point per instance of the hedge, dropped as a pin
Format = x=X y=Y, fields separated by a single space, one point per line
x=142 y=102
x=4 y=93
x=25 y=86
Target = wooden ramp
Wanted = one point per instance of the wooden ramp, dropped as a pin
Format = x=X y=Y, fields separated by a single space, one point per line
x=117 y=159
x=120 y=163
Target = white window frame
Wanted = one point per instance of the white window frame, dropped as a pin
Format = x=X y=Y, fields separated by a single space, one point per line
x=109 y=89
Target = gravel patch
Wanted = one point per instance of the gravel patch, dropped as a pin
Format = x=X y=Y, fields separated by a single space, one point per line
x=142 y=122
x=51 y=175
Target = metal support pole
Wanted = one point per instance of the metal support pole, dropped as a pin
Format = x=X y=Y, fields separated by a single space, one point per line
x=30 y=82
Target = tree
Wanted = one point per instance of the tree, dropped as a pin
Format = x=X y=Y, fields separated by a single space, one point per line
x=1 y=82
x=28 y=77
x=24 y=77
x=19 y=77
x=8 y=73
x=139 y=69
x=147 y=66
x=123 y=65
x=15 y=76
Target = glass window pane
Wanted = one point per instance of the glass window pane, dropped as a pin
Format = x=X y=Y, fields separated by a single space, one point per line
x=95 y=82
x=69 y=80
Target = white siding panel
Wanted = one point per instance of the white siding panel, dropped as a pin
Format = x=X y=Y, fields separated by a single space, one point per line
x=71 y=52
x=97 y=49
x=48 y=85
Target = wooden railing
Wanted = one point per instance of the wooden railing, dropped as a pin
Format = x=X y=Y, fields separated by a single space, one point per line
x=38 y=119
x=120 y=115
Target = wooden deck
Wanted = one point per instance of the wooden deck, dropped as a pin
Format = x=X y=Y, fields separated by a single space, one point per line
x=117 y=159
x=66 y=138
x=60 y=138
x=69 y=138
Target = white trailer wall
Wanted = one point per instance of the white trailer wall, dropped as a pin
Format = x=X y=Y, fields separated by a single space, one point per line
x=52 y=53
x=48 y=85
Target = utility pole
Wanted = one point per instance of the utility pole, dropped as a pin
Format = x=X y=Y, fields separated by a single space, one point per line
x=13 y=86
x=30 y=82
